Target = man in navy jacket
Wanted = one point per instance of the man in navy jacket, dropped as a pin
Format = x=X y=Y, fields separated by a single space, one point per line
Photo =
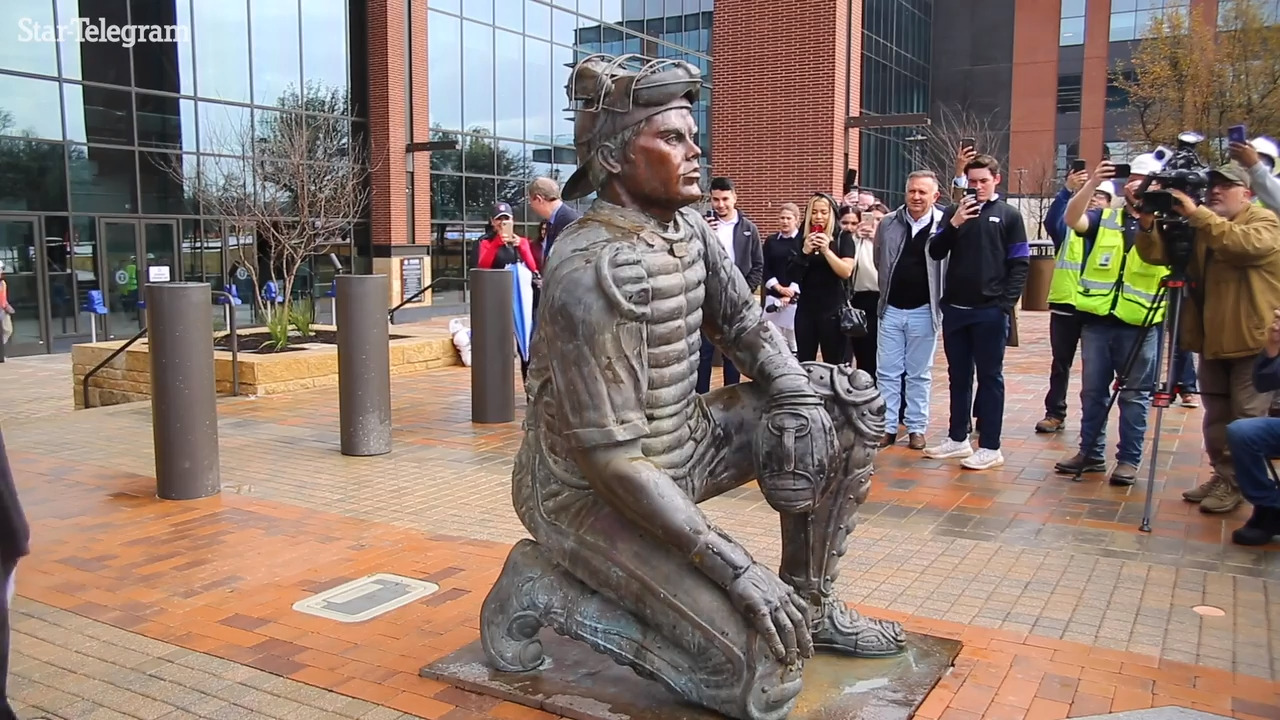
x=1253 y=442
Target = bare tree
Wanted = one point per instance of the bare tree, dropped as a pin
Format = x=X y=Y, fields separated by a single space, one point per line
x=294 y=182
x=1035 y=188
x=950 y=126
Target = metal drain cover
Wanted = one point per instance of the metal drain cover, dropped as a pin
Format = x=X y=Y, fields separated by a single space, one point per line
x=366 y=597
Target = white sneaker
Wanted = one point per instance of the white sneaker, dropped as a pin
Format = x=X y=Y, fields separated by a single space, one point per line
x=949 y=449
x=984 y=459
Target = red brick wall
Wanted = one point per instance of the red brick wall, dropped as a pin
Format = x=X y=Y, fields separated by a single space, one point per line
x=421 y=125
x=778 y=102
x=387 y=65
x=1034 y=109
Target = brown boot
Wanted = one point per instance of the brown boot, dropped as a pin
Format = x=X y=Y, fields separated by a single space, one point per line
x=1223 y=499
x=916 y=441
x=1198 y=494
x=888 y=440
x=1050 y=424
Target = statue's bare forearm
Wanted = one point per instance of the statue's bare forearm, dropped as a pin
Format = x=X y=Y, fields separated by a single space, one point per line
x=645 y=495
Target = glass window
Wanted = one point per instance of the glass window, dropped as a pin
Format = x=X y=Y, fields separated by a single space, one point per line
x=1069 y=93
x=102 y=62
x=481 y=10
x=103 y=180
x=453 y=6
x=1072 y=8
x=33 y=175
x=98 y=115
x=221 y=40
x=478 y=193
x=563 y=27
x=509 y=83
x=561 y=122
x=276 y=52
x=165 y=121
x=444 y=63
x=477 y=77
x=324 y=43
x=31 y=24
x=509 y=14
x=1071 y=32
x=29 y=108
x=478 y=155
x=163 y=179
x=1122 y=27
x=1118 y=6
x=224 y=129
x=610 y=10
x=537 y=19
x=511 y=162
x=163 y=66
x=446 y=197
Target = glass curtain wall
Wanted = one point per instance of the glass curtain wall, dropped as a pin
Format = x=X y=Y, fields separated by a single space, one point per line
x=103 y=142
x=896 y=53
x=498 y=70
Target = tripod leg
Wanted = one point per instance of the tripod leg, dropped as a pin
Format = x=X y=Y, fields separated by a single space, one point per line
x=1174 y=316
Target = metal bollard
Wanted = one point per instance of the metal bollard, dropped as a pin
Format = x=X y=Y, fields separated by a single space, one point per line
x=184 y=406
x=364 y=364
x=493 y=347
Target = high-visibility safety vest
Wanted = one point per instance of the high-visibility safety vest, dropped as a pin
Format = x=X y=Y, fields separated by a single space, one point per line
x=1065 y=287
x=1119 y=283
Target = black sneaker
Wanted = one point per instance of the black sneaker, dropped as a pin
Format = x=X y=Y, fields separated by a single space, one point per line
x=1080 y=464
x=1261 y=527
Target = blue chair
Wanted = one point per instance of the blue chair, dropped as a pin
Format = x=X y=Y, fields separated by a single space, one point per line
x=270 y=293
x=235 y=296
x=93 y=303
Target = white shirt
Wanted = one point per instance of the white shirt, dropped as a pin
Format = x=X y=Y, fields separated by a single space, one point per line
x=725 y=230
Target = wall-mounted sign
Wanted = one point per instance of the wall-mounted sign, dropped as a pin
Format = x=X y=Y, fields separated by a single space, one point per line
x=158 y=273
x=410 y=277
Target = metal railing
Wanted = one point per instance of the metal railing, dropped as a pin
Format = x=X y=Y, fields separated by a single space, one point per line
x=391 y=314
x=89 y=375
x=234 y=341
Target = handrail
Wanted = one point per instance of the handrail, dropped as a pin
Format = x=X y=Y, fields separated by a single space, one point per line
x=235 y=342
x=89 y=375
x=391 y=314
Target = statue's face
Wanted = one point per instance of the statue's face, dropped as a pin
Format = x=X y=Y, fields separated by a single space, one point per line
x=659 y=172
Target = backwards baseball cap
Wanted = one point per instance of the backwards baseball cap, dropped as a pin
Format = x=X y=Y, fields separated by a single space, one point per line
x=501 y=209
x=1146 y=165
x=1232 y=172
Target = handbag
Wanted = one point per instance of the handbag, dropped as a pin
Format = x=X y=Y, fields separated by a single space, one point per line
x=853 y=321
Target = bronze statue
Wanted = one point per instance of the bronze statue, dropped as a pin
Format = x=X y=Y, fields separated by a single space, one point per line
x=619 y=450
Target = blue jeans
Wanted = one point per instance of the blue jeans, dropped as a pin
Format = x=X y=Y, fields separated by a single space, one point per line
x=705 y=357
x=974 y=339
x=1184 y=367
x=1105 y=349
x=907 y=344
x=1253 y=442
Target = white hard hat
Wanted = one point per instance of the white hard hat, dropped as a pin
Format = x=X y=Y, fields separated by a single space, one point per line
x=1267 y=147
x=1108 y=187
x=1145 y=164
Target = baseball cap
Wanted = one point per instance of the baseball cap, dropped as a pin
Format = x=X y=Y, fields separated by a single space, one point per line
x=1233 y=173
x=500 y=209
x=1145 y=164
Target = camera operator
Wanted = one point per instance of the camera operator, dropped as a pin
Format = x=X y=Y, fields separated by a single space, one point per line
x=1259 y=158
x=1234 y=269
x=1114 y=303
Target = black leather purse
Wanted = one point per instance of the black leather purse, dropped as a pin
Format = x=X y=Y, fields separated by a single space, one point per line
x=853 y=321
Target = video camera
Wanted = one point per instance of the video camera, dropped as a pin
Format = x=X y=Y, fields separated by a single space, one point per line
x=1182 y=170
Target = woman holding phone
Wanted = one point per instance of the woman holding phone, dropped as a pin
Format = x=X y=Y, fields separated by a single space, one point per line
x=826 y=261
x=506 y=249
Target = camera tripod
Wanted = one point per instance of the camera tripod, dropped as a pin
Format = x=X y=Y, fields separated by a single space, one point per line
x=1172 y=289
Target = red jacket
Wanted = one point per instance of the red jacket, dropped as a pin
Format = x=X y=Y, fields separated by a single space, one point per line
x=489 y=254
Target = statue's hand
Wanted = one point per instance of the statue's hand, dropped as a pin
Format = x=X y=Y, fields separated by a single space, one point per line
x=795 y=448
x=775 y=610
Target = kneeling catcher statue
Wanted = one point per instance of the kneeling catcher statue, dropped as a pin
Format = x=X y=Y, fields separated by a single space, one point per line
x=619 y=449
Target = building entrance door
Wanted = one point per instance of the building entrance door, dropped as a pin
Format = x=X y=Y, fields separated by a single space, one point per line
x=136 y=252
x=25 y=286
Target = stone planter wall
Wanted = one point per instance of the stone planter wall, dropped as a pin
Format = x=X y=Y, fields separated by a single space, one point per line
x=128 y=377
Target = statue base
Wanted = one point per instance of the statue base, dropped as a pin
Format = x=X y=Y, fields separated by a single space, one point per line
x=578 y=683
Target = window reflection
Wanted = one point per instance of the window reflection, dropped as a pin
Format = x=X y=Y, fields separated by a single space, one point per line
x=20 y=18
x=477 y=77
x=103 y=180
x=509 y=14
x=479 y=10
x=165 y=121
x=98 y=115
x=444 y=47
x=163 y=66
x=561 y=124
x=539 y=90
x=222 y=49
x=101 y=62
x=276 y=51
x=509 y=83
x=537 y=19
x=446 y=197
x=167 y=183
x=324 y=42
x=225 y=129
x=33 y=175
x=28 y=108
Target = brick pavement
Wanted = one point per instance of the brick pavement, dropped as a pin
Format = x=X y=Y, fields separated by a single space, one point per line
x=35 y=386
x=1012 y=556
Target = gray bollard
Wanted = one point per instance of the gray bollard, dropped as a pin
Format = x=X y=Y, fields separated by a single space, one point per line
x=184 y=402
x=364 y=364
x=493 y=347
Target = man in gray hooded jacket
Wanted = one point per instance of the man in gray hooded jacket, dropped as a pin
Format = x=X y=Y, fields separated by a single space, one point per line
x=910 y=316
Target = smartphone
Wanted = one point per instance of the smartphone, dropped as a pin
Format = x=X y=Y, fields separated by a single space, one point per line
x=971 y=192
x=1236 y=134
x=968 y=143
x=1123 y=171
x=1077 y=165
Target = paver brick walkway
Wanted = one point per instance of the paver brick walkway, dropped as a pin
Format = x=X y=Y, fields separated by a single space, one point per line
x=1063 y=605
